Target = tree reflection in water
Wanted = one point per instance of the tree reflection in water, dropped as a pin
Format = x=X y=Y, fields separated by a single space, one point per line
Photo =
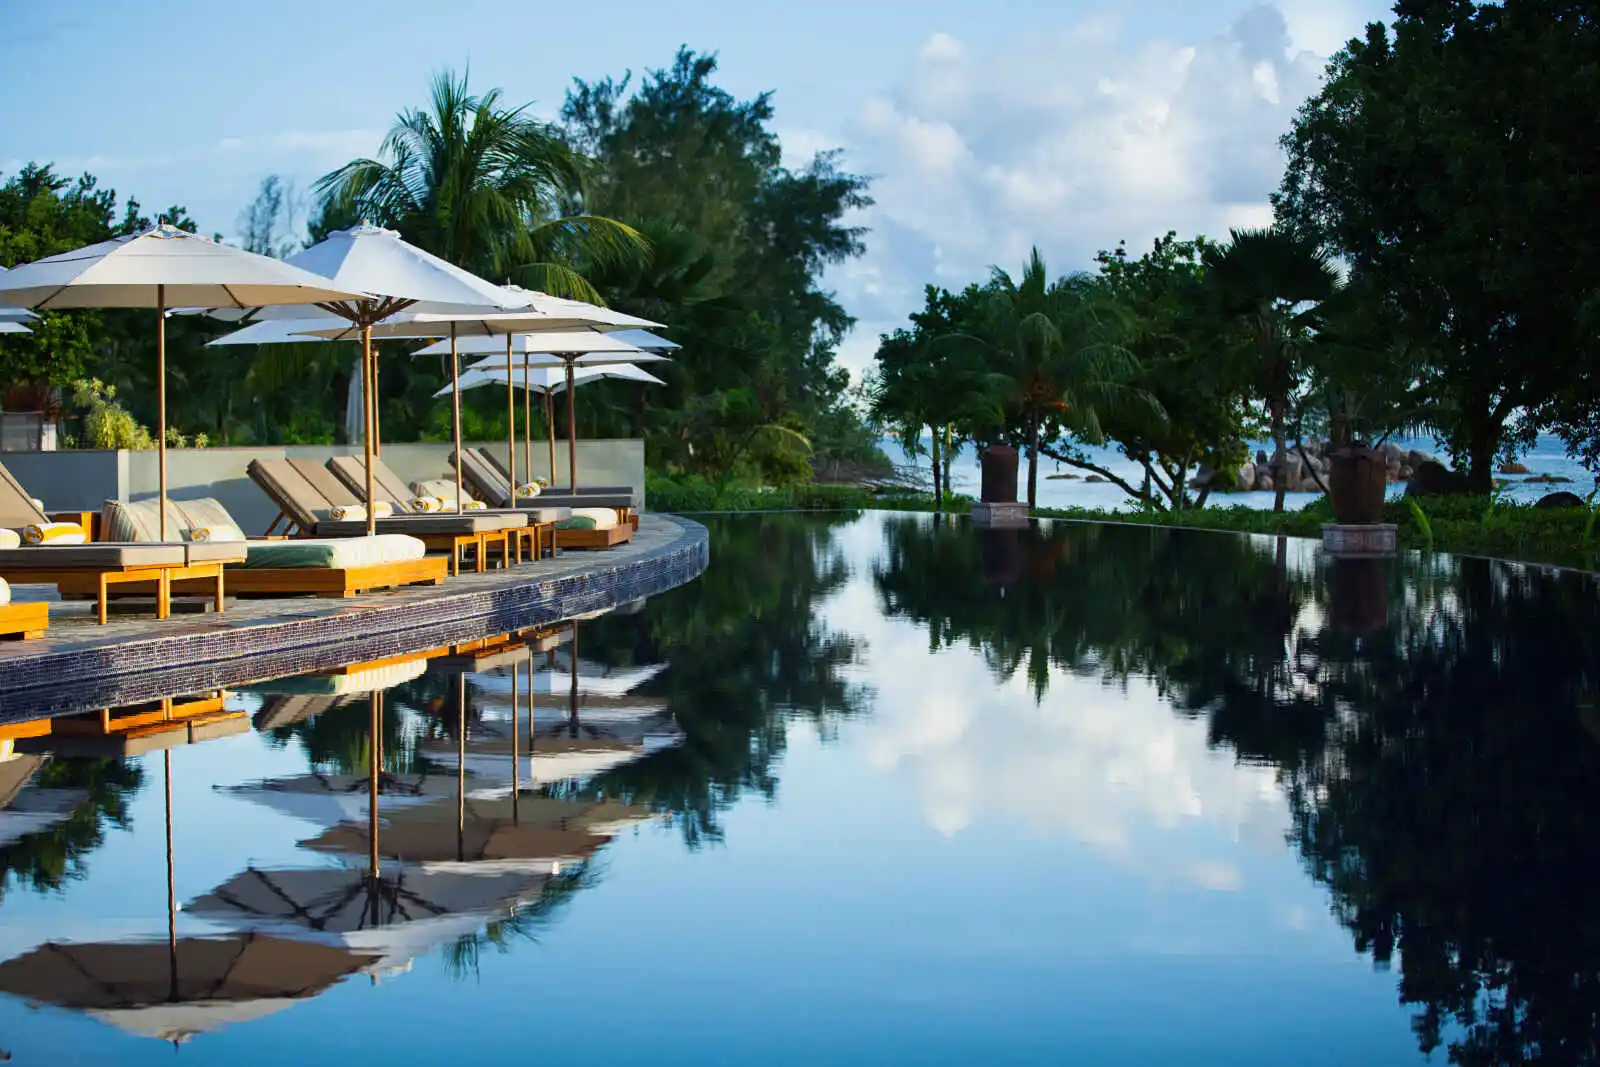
x=745 y=654
x=48 y=859
x=1432 y=722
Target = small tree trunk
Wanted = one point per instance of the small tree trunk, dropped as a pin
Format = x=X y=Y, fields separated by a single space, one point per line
x=947 y=451
x=1033 y=463
x=938 y=489
x=1280 y=446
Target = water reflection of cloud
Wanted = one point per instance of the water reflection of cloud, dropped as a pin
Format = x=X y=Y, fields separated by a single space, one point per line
x=1113 y=767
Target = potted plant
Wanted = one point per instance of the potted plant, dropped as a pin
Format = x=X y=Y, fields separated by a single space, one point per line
x=1365 y=379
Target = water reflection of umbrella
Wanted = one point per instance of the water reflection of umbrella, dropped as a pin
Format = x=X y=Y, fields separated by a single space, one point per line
x=402 y=914
x=434 y=833
x=497 y=757
x=331 y=798
x=175 y=990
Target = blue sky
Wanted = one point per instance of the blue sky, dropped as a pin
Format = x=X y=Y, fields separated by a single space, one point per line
x=989 y=125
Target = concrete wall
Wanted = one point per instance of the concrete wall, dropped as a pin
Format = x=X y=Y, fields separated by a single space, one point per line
x=85 y=479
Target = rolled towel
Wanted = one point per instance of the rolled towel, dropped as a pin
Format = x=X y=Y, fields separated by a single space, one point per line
x=10 y=539
x=427 y=503
x=347 y=512
x=215 y=534
x=55 y=533
x=382 y=509
x=475 y=505
x=38 y=503
x=529 y=489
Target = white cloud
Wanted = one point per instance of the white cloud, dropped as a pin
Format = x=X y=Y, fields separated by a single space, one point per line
x=1114 y=768
x=1074 y=141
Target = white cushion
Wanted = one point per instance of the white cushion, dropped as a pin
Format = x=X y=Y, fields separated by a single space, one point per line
x=10 y=539
x=604 y=518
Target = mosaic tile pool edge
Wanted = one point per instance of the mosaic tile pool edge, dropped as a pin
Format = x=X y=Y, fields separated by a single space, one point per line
x=132 y=671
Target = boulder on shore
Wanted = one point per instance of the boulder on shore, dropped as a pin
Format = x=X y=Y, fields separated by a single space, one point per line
x=1433 y=478
x=1560 y=500
x=1512 y=468
x=1548 y=479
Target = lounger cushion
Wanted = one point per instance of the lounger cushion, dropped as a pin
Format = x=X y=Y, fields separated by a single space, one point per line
x=339 y=553
x=469 y=523
x=563 y=499
x=5 y=591
x=17 y=508
x=604 y=518
x=215 y=551
x=141 y=521
x=547 y=514
x=205 y=513
x=443 y=488
x=351 y=472
x=578 y=522
x=10 y=539
x=97 y=555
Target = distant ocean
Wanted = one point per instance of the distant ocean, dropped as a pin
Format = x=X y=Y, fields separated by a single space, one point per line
x=1548 y=457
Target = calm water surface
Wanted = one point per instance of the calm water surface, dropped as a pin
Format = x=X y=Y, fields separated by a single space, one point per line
x=871 y=790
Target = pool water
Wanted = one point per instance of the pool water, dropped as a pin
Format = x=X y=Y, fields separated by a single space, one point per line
x=873 y=789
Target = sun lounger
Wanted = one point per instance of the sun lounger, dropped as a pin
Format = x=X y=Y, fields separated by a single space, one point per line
x=583 y=490
x=278 y=567
x=490 y=485
x=306 y=510
x=21 y=620
x=100 y=568
x=529 y=540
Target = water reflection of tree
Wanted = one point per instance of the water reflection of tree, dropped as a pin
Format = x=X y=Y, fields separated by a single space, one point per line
x=744 y=655
x=1453 y=817
x=1433 y=723
x=463 y=956
x=48 y=859
x=339 y=738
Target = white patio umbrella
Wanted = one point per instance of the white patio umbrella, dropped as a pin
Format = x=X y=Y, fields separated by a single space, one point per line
x=402 y=278
x=566 y=317
x=546 y=380
x=7 y=326
x=398 y=916
x=571 y=348
x=160 y=268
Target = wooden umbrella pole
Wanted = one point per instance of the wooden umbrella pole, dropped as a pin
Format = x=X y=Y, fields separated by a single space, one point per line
x=511 y=425
x=572 y=707
x=516 y=757
x=550 y=431
x=461 y=767
x=527 y=424
x=366 y=371
x=172 y=890
x=377 y=412
x=374 y=770
x=572 y=432
x=161 y=404
x=455 y=410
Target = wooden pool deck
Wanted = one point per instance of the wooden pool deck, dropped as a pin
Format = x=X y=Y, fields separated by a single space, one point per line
x=79 y=664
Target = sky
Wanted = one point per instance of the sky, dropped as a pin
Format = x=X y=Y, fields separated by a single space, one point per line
x=987 y=126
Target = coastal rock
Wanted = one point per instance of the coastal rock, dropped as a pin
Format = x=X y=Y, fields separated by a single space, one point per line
x=1246 y=478
x=1433 y=478
x=1094 y=478
x=1263 y=480
x=1415 y=459
x=1288 y=468
x=1562 y=499
x=1548 y=479
x=1512 y=468
x=1061 y=477
x=1406 y=472
x=1310 y=486
x=1261 y=458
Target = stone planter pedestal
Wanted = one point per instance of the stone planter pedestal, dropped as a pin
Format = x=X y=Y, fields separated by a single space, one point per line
x=1006 y=515
x=1360 y=540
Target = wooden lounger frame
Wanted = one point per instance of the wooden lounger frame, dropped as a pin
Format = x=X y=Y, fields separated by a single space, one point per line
x=24 y=621
x=331 y=582
x=204 y=578
x=619 y=534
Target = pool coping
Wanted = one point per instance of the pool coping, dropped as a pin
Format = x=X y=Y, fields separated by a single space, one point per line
x=65 y=674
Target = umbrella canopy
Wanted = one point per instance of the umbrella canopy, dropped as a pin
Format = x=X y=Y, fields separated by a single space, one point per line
x=593 y=679
x=165 y=267
x=554 y=759
x=326 y=799
x=551 y=379
x=159 y=268
x=174 y=990
x=7 y=326
x=438 y=837
x=400 y=915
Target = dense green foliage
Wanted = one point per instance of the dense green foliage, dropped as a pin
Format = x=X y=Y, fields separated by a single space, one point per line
x=667 y=198
x=1433 y=267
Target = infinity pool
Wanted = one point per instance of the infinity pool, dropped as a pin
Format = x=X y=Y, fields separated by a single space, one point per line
x=873 y=789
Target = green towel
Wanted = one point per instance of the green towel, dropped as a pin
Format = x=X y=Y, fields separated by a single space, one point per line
x=290 y=553
x=577 y=522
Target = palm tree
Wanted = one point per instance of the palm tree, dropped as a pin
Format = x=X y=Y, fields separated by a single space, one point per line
x=1272 y=282
x=488 y=188
x=1059 y=343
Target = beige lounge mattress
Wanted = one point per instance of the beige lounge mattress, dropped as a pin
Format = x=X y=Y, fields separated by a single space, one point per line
x=335 y=553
